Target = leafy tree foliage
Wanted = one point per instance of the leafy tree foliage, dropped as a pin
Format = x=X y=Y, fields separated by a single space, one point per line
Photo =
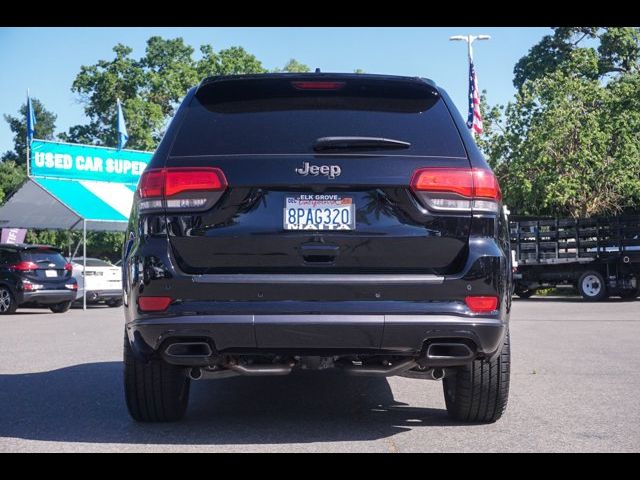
x=569 y=143
x=44 y=130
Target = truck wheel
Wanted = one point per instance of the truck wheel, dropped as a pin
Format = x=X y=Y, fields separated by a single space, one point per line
x=592 y=286
x=8 y=304
x=154 y=391
x=478 y=392
x=60 y=307
x=114 y=303
x=524 y=293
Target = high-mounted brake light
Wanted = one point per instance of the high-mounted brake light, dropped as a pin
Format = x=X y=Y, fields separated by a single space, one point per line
x=481 y=304
x=317 y=85
x=457 y=189
x=24 y=266
x=158 y=186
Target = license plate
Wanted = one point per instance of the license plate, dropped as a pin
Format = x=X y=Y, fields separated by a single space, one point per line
x=319 y=212
x=50 y=273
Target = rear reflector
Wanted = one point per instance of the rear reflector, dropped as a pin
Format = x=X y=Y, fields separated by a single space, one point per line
x=317 y=85
x=153 y=304
x=23 y=266
x=478 y=304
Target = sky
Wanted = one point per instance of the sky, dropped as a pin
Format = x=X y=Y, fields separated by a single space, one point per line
x=46 y=59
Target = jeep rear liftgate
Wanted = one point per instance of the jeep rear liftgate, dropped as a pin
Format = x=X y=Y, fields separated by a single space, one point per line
x=323 y=187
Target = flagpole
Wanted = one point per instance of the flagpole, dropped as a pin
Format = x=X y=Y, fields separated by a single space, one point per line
x=28 y=143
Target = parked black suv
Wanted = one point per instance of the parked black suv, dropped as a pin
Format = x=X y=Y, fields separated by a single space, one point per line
x=292 y=221
x=34 y=276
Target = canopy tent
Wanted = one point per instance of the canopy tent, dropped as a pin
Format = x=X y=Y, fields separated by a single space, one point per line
x=75 y=187
x=66 y=204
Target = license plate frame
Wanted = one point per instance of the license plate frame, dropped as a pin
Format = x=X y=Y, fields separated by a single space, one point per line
x=319 y=212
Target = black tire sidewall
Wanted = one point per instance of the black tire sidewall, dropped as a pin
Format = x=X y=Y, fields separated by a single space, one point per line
x=13 y=306
x=60 y=307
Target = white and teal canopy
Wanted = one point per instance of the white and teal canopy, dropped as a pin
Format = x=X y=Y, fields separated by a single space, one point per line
x=63 y=204
x=72 y=184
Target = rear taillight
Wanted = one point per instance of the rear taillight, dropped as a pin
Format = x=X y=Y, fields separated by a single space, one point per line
x=68 y=267
x=179 y=188
x=153 y=304
x=457 y=189
x=71 y=286
x=317 y=85
x=23 y=266
x=481 y=304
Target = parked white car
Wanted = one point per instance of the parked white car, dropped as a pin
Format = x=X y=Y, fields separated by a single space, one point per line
x=103 y=280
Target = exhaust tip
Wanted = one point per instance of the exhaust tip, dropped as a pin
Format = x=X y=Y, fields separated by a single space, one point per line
x=189 y=350
x=449 y=350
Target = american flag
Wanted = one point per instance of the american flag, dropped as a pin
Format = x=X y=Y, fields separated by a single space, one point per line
x=474 y=121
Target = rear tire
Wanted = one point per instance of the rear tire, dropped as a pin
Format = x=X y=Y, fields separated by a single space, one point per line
x=8 y=303
x=592 y=286
x=524 y=293
x=60 y=307
x=154 y=391
x=630 y=294
x=478 y=392
x=114 y=303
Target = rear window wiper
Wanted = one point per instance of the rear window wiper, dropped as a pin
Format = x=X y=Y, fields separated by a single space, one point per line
x=330 y=143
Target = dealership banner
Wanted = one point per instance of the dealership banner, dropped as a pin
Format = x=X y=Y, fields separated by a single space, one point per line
x=13 y=235
x=86 y=162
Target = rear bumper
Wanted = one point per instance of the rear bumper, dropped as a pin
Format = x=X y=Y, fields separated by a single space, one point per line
x=331 y=334
x=47 y=297
x=97 y=295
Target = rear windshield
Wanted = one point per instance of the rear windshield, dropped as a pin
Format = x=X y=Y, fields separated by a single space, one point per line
x=93 y=262
x=43 y=258
x=263 y=117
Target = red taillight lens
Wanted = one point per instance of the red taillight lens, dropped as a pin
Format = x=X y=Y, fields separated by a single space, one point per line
x=153 y=304
x=485 y=184
x=467 y=182
x=24 y=266
x=171 y=181
x=151 y=183
x=317 y=85
x=180 y=180
x=480 y=304
x=453 y=180
x=68 y=267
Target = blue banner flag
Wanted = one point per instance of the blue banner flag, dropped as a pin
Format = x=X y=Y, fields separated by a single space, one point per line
x=123 y=136
x=31 y=119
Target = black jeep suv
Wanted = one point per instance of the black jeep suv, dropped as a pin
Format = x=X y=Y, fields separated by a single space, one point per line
x=313 y=221
x=35 y=275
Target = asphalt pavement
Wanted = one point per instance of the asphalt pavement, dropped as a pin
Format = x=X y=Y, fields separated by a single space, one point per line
x=575 y=386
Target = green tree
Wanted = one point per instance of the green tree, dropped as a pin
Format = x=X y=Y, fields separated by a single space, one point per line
x=44 y=130
x=11 y=176
x=569 y=143
x=150 y=88
x=294 y=66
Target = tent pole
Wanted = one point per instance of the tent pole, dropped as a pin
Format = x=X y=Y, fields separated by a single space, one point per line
x=84 y=264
